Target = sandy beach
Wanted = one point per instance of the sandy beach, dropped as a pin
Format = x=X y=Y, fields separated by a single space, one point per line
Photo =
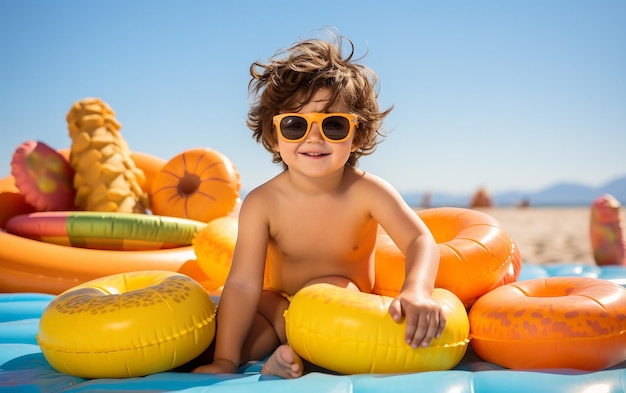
x=548 y=234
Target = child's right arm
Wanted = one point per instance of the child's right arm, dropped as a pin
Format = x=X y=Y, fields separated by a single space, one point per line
x=242 y=290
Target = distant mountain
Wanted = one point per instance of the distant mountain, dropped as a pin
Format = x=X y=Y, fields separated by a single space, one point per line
x=560 y=194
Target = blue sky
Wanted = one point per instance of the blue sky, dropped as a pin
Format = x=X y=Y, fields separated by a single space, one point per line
x=507 y=95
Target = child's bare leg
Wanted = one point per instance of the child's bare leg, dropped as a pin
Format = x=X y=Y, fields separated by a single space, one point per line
x=283 y=362
x=268 y=329
x=261 y=340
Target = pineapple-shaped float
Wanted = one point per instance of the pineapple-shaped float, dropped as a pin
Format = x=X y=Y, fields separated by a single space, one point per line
x=106 y=178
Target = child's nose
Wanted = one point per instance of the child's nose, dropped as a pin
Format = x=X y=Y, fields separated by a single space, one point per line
x=316 y=133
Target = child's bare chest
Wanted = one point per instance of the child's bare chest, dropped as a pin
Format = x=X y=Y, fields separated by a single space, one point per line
x=329 y=232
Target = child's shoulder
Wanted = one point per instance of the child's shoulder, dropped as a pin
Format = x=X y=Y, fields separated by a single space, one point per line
x=364 y=179
x=266 y=190
x=375 y=187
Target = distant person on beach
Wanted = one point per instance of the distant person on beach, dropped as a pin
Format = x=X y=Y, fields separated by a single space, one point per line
x=426 y=200
x=316 y=111
x=481 y=199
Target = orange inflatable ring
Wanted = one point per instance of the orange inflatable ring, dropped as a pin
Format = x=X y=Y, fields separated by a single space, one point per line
x=201 y=184
x=476 y=254
x=32 y=266
x=127 y=325
x=554 y=322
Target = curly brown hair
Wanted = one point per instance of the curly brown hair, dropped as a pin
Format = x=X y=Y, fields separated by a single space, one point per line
x=293 y=76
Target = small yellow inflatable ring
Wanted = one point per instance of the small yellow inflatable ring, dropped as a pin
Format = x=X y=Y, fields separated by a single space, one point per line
x=356 y=328
x=127 y=325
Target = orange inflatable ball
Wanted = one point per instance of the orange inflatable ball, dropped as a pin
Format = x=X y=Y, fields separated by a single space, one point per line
x=214 y=246
x=200 y=184
x=43 y=176
x=192 y=269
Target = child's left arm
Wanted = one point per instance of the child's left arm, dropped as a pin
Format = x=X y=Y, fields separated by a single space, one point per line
x=424 y=317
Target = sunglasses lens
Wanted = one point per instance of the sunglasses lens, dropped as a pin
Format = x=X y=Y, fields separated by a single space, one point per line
x=293 y=127
x=336 y=127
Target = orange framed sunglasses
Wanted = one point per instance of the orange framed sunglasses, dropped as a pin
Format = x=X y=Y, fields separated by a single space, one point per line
x=334 y=127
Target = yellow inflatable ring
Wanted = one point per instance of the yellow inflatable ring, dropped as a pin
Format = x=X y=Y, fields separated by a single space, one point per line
x=352 y=332
x=127 y=325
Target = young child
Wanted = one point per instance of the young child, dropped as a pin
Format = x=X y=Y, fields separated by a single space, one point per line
x=316 y=111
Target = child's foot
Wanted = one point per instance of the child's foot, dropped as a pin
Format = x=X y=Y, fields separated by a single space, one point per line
x=283 y=363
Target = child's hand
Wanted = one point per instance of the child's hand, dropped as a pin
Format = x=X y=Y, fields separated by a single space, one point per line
x=219 y=366
x=424 y=317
